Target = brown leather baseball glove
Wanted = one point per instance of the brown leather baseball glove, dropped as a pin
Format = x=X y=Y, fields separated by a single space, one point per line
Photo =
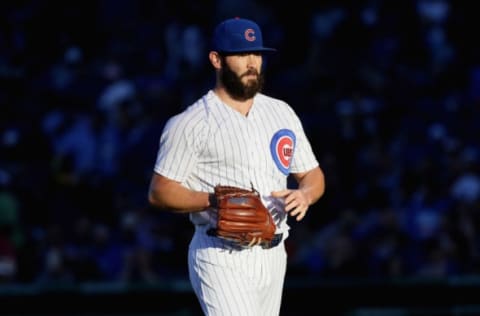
x=242 y=217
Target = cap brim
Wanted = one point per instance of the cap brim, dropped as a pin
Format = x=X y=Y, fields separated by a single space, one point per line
x=250 y=50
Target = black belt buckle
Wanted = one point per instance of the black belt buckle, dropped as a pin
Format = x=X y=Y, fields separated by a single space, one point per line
x=275 y=241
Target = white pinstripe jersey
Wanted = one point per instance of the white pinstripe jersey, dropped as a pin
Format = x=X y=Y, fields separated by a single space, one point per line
x=210 y=143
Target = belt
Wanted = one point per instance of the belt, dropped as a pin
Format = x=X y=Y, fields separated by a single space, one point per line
x=277 y=238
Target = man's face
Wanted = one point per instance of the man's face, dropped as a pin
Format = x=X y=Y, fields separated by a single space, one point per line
x=241 y=75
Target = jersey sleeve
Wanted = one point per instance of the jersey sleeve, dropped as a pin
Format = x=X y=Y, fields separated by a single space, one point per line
x=304 y=158
x=179 y=146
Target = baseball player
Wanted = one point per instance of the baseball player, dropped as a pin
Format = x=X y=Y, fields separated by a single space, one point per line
x=237 y=136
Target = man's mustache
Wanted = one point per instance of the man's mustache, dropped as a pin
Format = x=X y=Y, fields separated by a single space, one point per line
x=250 y=72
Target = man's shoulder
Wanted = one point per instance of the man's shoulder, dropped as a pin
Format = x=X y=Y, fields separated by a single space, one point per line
x=201 y=104
x=268 y=101
x=264 y=98
x=195 y=112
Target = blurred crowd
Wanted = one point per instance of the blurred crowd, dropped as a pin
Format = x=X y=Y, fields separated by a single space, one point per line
x=388 y=91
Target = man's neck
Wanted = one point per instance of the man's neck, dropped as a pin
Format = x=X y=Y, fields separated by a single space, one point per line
x=242 y=106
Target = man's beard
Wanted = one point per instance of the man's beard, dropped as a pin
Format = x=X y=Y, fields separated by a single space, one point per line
x=236 y=88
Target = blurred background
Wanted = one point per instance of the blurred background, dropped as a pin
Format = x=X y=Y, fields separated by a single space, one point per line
x=389 y=94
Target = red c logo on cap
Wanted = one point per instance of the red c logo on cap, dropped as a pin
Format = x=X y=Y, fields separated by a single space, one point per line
x=250 y=35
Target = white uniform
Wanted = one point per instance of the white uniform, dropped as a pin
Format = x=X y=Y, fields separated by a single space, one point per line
x=210 y=143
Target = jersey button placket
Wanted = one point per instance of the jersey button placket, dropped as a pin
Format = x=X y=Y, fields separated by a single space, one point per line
x=252 y=149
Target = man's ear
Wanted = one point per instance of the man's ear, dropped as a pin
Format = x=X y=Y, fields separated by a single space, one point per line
x=215 y=59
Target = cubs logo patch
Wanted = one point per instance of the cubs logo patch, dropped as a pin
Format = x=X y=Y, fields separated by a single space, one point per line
x=282 y=147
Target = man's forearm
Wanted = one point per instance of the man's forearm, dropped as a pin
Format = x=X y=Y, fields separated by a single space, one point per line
x=171 y=195
x=312 y=184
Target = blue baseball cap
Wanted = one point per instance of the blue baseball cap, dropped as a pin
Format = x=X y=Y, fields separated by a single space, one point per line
x=238 y=35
